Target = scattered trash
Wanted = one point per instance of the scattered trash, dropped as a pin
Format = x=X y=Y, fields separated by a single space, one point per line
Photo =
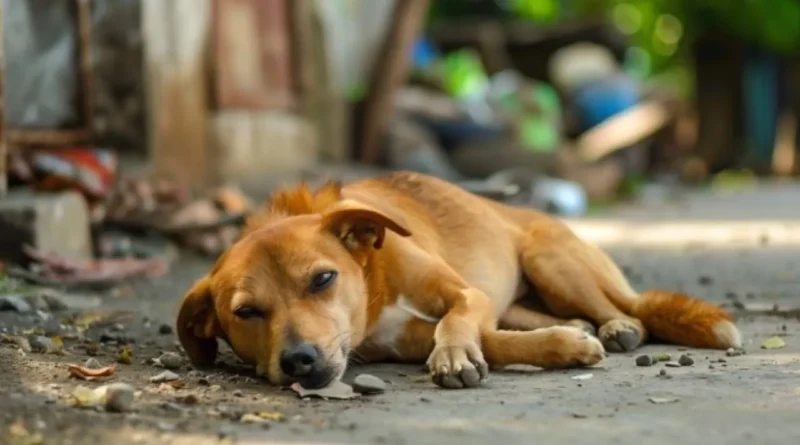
x=663 y=400
x=336 y=390
x=53 y=270
x=166 y=376
x=125 y=356
x=645 y=360
x=773 y=343
x=583 y=376
x=169 y=360
x=662 y=357
x=263 y=417
x=16 y=303
x=18 y=434
x=90 y=374
x=368 y=384
x=685 y=360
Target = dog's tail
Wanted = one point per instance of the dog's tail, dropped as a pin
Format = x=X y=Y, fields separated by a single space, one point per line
x=679 y=319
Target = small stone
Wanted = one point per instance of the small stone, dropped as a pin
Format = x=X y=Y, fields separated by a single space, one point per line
x=166 y=376
x=685 y=360
x=92 y=363
x=238 y=393
x=165 y=329
x=368 y=384
x=672 y=364
x=53 y=300
x=663 y=400
x=663 y=373
x=189 y=399
x=644 y=360
x=93 y=350
x=710 y=366
x=170 y=360
x=705 y=280
x=662 y=357
x=119 y=397
x=16 y=303
x=41 y=344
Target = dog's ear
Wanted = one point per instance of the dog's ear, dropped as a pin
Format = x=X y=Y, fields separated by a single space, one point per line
x=198 y=325
x=360 y=226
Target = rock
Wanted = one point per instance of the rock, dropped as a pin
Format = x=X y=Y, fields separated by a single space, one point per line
x=116 y=338
x=368 y=384
x=662 y=357
x=705 y=280
x=16 y=303
x=166 y=376
x=672 y=364
x=732 y=352
x=644 y=360
x=92 y=363
x=663 y=374
x=119 y=397
x=165 y=329
x=336 y=390
x=685 y=360
x=41 y=344
x=21 y=342
x=773 y=343
x=170 y=360
x=238 y=393
x=56 y=223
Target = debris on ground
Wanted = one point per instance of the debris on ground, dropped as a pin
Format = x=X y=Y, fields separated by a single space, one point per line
x=45 y=345
x=19 y=341
x=118 y=397
x=100 y=317
x=336 y=390
x=583 y=376
x=18 y=434
x=672 y=364
x=663 y=400
x=91 y=374
x=16 y=303
x=368 y=384
x=169 y=360
x=734 y=352
x=662 y=373
x=263 y=417
x=165 y=329
x=125 y=356
x=685 y=360
x=166 y=376
x=645 y=360
x=773 y=343
x=53 y=270
x=662 y=357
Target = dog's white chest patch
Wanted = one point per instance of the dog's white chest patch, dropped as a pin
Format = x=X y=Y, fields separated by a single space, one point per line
x=393 y=320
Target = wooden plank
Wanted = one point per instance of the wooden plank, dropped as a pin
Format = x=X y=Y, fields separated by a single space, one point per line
x=251 y=54
x=388 y=74
x=176 y=34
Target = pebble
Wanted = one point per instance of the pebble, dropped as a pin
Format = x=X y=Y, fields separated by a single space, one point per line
x=685 y=360
x=644 y=360
x=672 y=364
x=170 y=360
x=166 y=376
x=119 y=397
x=15 y=303
x=165 y=329
x=41 y=344
x=117 y=338
x=705 y=280
x=238 y=393
x=733 y=352
x=368 y=384
x=663 y=373
x=92 y=363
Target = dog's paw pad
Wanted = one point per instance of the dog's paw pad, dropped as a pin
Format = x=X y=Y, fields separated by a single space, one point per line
x=620 y=336
x=455 y=367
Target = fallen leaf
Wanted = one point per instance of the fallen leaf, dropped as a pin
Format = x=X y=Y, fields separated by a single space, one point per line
x=336 y=390
x=125 y=356
x=583 y=376
x=773 y=343
x=88 y=374
x=663 y=400
x=100 y=318
x=17 y=434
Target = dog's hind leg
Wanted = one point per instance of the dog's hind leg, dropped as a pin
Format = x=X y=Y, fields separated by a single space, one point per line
x=520 y=318
x=568 y=279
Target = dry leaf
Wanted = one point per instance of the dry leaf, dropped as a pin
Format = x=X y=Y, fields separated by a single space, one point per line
x=100 y=318
x=125 y=356
x=773 y=343
x=88 y=374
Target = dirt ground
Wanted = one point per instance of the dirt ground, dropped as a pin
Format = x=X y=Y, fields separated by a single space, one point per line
x=741 y=250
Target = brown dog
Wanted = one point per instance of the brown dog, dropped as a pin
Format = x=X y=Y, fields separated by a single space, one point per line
x=407 y=268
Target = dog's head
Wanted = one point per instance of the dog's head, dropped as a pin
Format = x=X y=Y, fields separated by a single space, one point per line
x=291 y=295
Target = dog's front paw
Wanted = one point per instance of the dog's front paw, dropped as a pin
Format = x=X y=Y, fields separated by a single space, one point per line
x=621 y=335
x=455 y=367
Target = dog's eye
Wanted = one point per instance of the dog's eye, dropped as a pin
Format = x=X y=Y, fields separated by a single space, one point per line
x=248 y=312
x=321 y=281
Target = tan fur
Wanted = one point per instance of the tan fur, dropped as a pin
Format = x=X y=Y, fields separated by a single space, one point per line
x=427 y=271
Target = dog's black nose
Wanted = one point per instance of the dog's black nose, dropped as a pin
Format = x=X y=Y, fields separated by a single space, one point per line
x=300 y=360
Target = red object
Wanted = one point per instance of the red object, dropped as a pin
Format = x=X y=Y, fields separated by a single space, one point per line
x=90 y=171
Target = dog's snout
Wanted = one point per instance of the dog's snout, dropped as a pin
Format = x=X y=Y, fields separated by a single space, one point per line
x=300 y=360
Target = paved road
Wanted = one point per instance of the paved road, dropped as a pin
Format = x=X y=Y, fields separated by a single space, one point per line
x=743 y=247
